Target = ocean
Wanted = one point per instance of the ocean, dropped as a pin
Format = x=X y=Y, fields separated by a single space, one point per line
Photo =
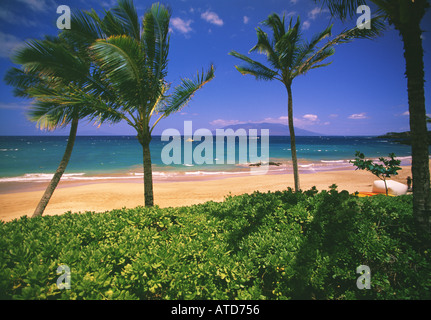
x=35 y=158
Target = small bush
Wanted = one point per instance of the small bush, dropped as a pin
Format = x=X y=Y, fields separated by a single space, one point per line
x=279 y=245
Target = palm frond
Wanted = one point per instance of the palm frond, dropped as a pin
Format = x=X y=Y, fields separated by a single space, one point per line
x=276 y=24
x=155 y=38
x=120 y=56
x=85 y=28
x=342 y=8
x=254 y=68
x=313 y=61
x=57 y=106
x=184 y=92
x=287 y=46
x=122 y=59
x=307 y=48
x=51 y=59
x=113 y=26
x=22 y=81
x=343 y=37
x=126 y=13
x=264 y=46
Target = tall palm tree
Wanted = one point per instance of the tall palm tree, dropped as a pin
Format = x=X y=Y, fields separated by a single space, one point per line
x=289 y=56
x=136 y=65
x=58 y=74
x=406 y=17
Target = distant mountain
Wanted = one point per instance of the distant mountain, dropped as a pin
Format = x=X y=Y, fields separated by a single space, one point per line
x=275 y=129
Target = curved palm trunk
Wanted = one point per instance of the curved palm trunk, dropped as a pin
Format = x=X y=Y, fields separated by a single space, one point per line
x=148 y=171
x=413 y=54
x=292 y=137
x=60 y=170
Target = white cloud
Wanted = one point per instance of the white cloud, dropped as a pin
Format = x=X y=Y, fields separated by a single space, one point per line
x=223 y=123
x=246 y=19
x=289 y=14
x=10 y=17
x=305 y=120
x=407 y=113
x=293 y=1
x=181 y=25
x=315 y=12
x=281 y=120
x=109 y=3
x=306 y=25
x=38 y=5
x=358 y=116
x=212 y=17
x=14 y=105
x=8 y=44
x=311 y=117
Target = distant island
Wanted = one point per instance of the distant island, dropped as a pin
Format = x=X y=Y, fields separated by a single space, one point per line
x=402 y=137
x=275 y=129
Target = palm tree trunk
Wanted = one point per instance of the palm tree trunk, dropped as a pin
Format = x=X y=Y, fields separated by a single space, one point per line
x=60 y=170
x=292 y=137
x=148 y=172
x=413 y=54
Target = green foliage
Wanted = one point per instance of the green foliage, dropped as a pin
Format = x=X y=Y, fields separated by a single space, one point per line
x=280 y=245
x=388 y=168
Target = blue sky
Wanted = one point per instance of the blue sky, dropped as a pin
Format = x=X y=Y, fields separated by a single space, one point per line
x=363 y=91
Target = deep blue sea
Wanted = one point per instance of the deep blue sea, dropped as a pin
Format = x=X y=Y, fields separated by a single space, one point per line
x=35 y=158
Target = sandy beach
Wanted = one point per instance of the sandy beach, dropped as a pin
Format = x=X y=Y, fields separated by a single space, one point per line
x=116 y=194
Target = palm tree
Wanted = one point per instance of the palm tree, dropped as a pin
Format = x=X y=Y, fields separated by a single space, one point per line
x=136 y=64
x=58 y=74
x=290 y=56
x=406 y=16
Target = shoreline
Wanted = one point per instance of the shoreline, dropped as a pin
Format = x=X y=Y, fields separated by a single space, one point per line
x=106 y=195
x=38 y=181
x=199 y=175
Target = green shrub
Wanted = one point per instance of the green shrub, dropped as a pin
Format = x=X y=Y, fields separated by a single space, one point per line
x=279 y=245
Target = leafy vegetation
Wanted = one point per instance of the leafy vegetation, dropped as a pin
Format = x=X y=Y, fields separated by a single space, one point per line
x=280 y=245
x=386 y=169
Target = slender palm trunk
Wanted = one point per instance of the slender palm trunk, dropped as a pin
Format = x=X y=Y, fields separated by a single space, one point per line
x=148 y=171
x=413 y=54
x=292 y=137
x=60 y=170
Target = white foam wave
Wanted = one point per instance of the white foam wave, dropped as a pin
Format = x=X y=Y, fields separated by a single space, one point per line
x=36 y=177
x=45 y=177
x=333 y=161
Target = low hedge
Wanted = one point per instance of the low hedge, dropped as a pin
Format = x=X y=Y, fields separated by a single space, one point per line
x=275 y=245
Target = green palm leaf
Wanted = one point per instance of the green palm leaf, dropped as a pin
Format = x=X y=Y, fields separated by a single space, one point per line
x=121 y=57
x=51 y=59
x=155 y=38
x=254 y=68
x=264 y=46
x=184 y=92
x=126 y=14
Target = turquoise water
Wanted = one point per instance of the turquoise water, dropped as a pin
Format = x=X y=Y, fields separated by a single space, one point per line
x=37 y=157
